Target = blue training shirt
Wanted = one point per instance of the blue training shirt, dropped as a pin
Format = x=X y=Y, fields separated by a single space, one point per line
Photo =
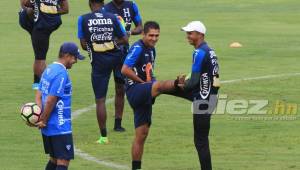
x=205 y=62
x=55 y=81
x=129 y=12
x=100 y=29
x=45 y=13
x=141 y=59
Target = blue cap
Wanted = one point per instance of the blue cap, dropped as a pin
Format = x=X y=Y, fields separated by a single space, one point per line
x=71 y=48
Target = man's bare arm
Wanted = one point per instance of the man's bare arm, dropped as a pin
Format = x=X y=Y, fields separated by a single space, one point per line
x=128 y=72
x=50 y=104
x=64 y=7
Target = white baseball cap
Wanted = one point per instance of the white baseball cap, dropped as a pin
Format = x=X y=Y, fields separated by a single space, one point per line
x=197 y=26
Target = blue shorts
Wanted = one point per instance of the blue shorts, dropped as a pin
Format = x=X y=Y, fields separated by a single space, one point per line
x=59 y=146
x=140 y=99
x=101 y=71
x=25 y=21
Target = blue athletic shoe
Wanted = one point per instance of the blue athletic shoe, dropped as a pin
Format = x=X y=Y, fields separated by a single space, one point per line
x=35 y=86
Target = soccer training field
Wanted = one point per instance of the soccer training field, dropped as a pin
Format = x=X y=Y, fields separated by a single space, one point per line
x=268 y=62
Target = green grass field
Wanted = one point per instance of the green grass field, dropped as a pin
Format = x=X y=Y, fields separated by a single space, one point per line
x=269 y=31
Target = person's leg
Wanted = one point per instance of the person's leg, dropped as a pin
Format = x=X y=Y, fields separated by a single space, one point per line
x=63 y=150
x=100 y=80
x=119 y=106
x=201 y=132
x=51 y=165
x=140 y=100
x=160 y=87
x=141 y=134
x=62 y=164
x=119 y=97
x=101 y=116
x=171 y=87
x=181 y=93
x=40 y=44
x=38 y=68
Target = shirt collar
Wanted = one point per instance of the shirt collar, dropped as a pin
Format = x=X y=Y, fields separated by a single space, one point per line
x=203 y=43
x=60 y=64
x=118 y=7
x=144 y=45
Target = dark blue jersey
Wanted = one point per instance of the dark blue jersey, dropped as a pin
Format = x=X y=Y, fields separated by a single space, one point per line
x=45 y=13
x=141 y=59
x=100 y=29
x=128 y=11
x=205 y=62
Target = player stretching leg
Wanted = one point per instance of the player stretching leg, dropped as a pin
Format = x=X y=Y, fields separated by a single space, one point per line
x=142 y=88
x=40 y=18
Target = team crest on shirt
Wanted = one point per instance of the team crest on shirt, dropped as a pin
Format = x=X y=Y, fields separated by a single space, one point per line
x=68 y=147
x=99 y=15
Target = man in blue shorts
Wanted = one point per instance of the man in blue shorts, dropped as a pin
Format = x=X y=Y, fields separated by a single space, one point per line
x=128 y=12
x=40 y=18
x=54 y=97
x=142 y=87
x=101 y=34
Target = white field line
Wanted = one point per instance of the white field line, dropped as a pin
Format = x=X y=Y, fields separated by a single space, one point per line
x=77 y=113
x=88 y=157
x=261 y=77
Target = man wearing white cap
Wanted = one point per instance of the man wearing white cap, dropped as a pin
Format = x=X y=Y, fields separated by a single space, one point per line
x=201 y=88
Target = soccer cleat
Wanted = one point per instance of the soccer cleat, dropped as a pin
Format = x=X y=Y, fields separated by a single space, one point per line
x=35 y=86
x=119 y=129
x=103 y=140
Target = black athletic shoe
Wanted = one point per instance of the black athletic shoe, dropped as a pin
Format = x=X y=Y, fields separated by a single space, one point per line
x=119 y=129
